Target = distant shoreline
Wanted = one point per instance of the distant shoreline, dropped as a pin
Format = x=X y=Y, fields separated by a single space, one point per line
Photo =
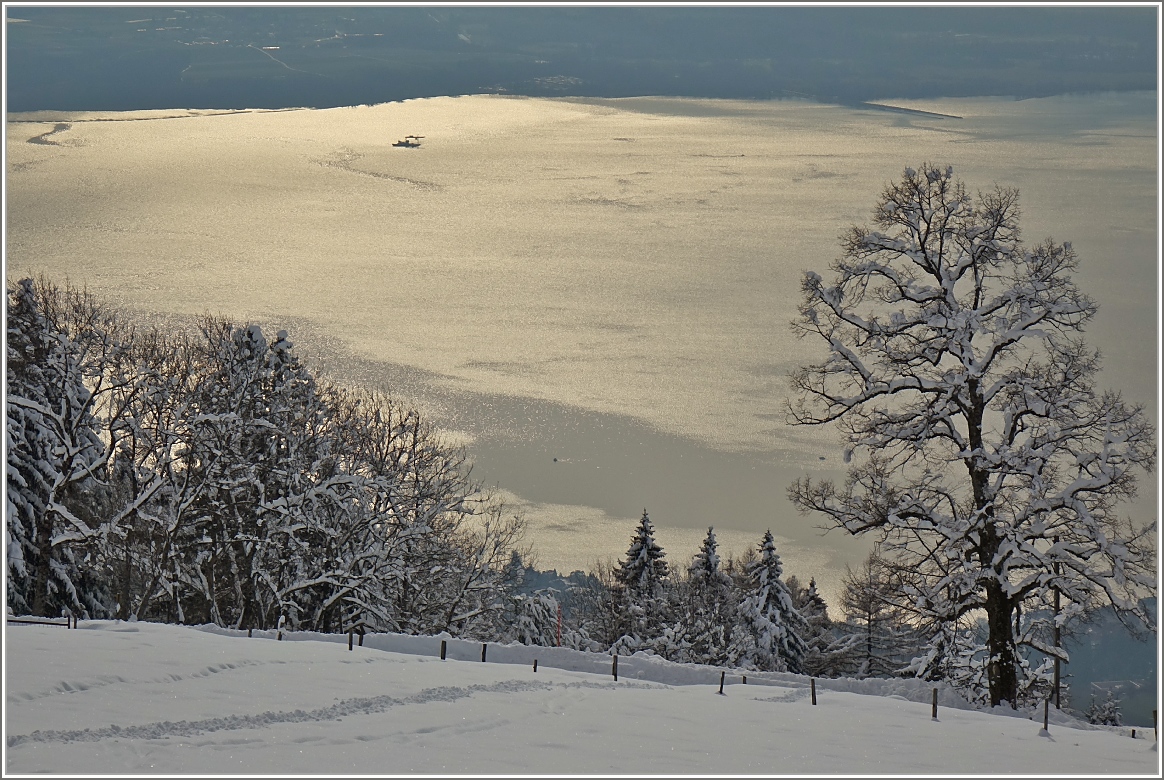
x=899 y=109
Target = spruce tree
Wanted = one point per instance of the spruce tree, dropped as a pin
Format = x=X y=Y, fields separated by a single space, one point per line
x=771 y=629
x=642 y=578
x=707 y=608
x=829 y=651
x=56 y=457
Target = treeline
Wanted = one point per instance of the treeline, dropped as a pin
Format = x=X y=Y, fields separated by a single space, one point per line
x=206 y=476
x=739 y=612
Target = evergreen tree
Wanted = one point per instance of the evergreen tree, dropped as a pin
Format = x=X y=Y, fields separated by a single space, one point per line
x=771 y=630
x=536 y=618
x=56 y=458
x=830 y=651
x=707 y=608
x=642 y=596
x=1105 y=712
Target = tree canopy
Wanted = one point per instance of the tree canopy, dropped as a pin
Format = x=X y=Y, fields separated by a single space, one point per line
x=980 y=450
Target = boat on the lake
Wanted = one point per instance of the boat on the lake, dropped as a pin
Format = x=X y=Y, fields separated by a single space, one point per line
x=409 y=141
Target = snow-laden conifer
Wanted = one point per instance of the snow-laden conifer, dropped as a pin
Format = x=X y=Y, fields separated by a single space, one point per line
x=58 y=339
x=1105 y=711
x=831 y=648
x=536 y=618
x=770 y=632
x=642 y=597
x=706 y=608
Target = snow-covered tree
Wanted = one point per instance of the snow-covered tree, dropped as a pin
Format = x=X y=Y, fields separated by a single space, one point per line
x=642 y=593
x=770 y=632
x=1105 y=712
x=831 y=650
x=536 y=618
x=151 y=480
x=957 y=374
x=706 y=608
x=59 y=342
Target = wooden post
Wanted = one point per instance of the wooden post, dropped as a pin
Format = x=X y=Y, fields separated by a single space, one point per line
x=280 y=636
x=535 y=666
x=812 y=685
x=745 y=679
x=935 y=709
x=1133 y=733
x=614 y=667
x=1057 y=684
x=249 y=630
x=1046 y=709
x=350 y=632
x=484 y=647
x=721 y=676
x=442 y=649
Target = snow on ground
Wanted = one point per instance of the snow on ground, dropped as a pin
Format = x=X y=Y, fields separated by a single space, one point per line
x=124 y=698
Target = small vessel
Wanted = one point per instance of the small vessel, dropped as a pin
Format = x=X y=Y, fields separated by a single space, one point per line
x=409 y=142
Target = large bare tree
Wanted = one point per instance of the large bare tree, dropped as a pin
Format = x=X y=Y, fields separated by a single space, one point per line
x=979 y=447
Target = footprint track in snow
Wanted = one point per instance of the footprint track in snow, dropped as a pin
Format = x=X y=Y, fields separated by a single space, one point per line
x=341 y=709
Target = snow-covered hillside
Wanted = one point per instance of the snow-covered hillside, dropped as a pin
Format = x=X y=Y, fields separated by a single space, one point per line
x=115 y=698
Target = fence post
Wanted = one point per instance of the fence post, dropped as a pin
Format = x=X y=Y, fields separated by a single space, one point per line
x=535 y=666
x=614 y=667
x=935 y=715
x=442 y=649
x=1046 y=710
x=483 y=648
x=812 y=685
x=745 y=679
x=721 y=676
x=249 y=632
x=349 y=639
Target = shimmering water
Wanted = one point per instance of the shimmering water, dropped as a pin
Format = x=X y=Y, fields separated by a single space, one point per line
x=608 y=283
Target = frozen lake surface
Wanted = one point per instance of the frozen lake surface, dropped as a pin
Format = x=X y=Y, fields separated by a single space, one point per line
x=604 y=282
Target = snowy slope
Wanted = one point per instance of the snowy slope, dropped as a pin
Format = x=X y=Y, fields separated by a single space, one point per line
x=115 y=698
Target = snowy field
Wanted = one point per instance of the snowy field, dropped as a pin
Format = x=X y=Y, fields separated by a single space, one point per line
x=137 y=698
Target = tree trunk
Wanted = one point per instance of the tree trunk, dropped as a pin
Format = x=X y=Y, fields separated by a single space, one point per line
x=126 y=594
x=1002 y=667
x=44 y=554
x=1002 y=671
